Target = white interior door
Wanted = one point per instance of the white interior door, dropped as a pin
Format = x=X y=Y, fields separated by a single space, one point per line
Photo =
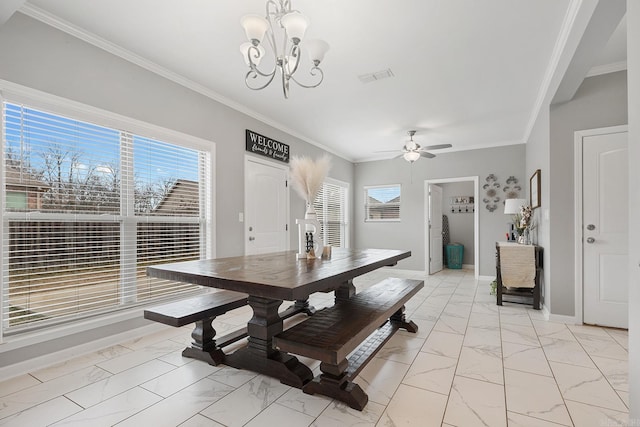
x=266 y=207
x=605 y=221
x=435 y=228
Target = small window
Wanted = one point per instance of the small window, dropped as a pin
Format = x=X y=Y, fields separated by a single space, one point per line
x=382 y=203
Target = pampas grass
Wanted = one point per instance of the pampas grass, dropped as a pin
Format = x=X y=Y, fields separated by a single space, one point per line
x=308 y=175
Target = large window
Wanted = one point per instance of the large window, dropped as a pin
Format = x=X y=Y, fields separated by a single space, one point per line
x=331 y=206
x=382 y=203
x=86 y=208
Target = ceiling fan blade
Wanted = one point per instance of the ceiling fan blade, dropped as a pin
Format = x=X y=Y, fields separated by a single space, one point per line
x=427 y=155
x=386 y=151
x=437 y=147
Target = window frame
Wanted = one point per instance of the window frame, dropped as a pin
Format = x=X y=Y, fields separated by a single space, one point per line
x=17 y=94
x=367 y=205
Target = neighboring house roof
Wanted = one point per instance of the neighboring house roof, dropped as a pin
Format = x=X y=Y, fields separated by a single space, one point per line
x=17 y=179
x=182 y=198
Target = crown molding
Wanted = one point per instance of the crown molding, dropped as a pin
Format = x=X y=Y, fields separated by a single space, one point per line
x=561 y=42
x=95 y=40
x=607 y=68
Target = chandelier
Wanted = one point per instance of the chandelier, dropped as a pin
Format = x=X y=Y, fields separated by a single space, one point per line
x=288 y=25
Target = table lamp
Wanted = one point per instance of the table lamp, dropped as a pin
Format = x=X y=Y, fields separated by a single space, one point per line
x=512 y=207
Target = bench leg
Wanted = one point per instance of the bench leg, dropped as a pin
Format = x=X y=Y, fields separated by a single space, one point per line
x=204 y=346
x=398 y=318
x=333 y=382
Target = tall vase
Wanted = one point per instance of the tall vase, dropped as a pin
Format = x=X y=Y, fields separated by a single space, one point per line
x=310 y=213
x=313 y=226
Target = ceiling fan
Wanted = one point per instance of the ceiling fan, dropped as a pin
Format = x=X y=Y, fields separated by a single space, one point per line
x=412 y=151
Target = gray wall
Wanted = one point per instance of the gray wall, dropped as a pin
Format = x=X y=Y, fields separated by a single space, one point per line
x=409 y=232
x=633 y=58
x=601 y=101
x=538 y=158
x=40 y=57
x=460 y=224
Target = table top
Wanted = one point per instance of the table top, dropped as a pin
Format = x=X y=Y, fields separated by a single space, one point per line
x=279 y=275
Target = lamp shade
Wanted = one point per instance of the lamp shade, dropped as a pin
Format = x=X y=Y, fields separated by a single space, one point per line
x=411 y=156
x=512 y=206
x=254 y=27
x=256 y=56
x=295 y=24
x=316 y=50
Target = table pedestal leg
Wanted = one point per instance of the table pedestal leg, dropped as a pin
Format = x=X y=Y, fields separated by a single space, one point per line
x=345 y=291
x=259 y=355
x=300 y=306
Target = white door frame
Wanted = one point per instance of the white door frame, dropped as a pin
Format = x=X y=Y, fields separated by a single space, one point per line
x=577 y=211
x=247 y=159
x=476 y=219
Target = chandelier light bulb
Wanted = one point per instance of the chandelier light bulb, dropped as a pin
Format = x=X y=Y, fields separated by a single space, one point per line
x=255 y=26
x=295 y=24
x=316 y=50
x=256 y=56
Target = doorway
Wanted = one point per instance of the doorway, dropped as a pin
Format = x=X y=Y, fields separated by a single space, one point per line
x=601 y=221
x=266 y=207
x=432 y=237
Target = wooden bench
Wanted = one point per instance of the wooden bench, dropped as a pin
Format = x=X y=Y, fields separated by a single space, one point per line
x=201 y=310
x=335 y=332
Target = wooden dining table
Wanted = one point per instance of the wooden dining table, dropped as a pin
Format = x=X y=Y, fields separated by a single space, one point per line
x=270 y=279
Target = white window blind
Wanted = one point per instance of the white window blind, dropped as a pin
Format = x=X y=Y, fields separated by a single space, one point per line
x=382 y=203
x=331 y=206
x=86 y=209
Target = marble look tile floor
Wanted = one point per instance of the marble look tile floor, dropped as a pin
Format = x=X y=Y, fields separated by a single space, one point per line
x=472 y=363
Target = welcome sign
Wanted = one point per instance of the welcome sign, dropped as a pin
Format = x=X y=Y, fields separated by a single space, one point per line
x=260 y=144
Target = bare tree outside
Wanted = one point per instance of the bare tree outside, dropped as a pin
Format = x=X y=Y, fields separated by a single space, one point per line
x=61 y=264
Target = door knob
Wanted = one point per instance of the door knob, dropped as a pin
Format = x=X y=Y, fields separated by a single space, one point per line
x=591 y=227
x=591 y=240
x=251 y=238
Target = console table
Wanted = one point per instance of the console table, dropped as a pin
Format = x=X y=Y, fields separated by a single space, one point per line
x=518 y=271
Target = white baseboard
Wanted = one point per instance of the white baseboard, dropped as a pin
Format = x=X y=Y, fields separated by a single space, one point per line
x=559 y=318
x=404 y=271
x=571 y=320
x=489 y=278
x=10 y=371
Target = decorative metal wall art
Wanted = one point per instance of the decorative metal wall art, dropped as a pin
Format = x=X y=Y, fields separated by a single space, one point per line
x=492 y=196
x=512 y=189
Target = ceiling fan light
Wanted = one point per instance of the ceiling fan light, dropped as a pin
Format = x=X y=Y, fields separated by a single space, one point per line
x=411 y=156
x=255 y=26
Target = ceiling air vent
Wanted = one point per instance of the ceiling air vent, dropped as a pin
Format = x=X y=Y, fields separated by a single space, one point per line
x=378 y=75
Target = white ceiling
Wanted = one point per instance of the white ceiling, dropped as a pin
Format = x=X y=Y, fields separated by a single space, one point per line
x=467 y=72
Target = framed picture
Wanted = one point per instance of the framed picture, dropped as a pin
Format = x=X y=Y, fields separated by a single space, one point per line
x=534 y=190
